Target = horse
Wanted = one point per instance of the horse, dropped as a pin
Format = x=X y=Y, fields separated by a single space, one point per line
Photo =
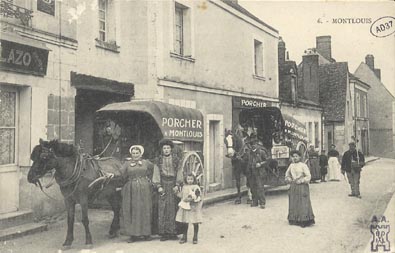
x=236 y=151
x=238 y=148
x=79 y=176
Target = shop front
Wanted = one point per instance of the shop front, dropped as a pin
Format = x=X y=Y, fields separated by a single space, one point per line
x=23 y=62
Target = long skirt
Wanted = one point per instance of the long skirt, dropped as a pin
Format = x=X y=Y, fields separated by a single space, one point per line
x=334 y=171
x=314 y=167
x=137 y=207
x=167 y=208
x=300 y=211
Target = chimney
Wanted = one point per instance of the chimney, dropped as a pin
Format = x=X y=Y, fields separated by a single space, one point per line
x=323 y=46
x=310 y=75
x=281 y=51
x=369 y=60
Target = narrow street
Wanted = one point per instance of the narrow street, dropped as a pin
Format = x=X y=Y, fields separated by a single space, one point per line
x=342 y=223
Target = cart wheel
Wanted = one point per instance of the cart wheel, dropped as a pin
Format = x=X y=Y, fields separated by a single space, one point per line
x=191 y=163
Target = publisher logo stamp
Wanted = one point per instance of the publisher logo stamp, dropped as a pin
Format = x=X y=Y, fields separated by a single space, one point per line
x=380 y=229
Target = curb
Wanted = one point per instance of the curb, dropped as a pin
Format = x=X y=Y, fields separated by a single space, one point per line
x=374 y=159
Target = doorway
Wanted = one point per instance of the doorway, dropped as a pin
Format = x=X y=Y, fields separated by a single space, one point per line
x=9 y=178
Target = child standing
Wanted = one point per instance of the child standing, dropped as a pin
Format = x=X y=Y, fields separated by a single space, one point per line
x=190 y=210
x=298 y=175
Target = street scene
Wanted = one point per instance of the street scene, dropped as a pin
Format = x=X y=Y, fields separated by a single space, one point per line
x=197 y=126
x=342 y=223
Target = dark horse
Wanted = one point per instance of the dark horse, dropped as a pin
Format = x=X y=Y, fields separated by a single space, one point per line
x=238 y=148
x=74 y=173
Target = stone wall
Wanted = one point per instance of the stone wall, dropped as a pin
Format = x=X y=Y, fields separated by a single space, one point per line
x=61 y=118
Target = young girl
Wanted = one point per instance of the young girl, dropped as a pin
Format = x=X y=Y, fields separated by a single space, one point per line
x=190 y=210
x=298 y=175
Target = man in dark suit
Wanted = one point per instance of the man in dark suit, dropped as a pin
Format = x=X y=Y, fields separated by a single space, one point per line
x=352 y=163
x=256 y=165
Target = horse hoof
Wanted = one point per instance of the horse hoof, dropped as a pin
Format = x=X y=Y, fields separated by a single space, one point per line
x=66 y=247
x=112 y=235
x=88 y=245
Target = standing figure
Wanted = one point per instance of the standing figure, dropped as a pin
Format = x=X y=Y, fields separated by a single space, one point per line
x=136 y=195
x=300 y=211
x=352 y=163
x=313 y=164
x=334 y=173
x=323 y=165
x=258 y=175
x=167 y=178
x=190 y=210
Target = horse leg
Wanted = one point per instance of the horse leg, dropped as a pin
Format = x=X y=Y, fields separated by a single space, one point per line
x=70 y=206
x=237 y=171
x=85 y=219
x=115 y=202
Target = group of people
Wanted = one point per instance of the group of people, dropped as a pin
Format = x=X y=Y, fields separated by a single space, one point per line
x=298 y=175
x=157 y=198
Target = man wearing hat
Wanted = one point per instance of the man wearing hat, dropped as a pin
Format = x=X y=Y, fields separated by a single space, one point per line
x=352 y=163
x=257 y=170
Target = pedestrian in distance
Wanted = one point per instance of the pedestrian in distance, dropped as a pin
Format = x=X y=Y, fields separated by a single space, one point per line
x=300 y=211
x=352 y=163
x=334 y=172
x=136 y=195
x=323 y=165
x=190 y=208
x=313 y=164
x=257 y=171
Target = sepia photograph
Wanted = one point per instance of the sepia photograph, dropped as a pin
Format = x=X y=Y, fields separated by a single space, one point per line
x=197 y=126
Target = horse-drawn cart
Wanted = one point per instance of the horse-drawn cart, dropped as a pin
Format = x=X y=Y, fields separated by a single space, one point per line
x=276 y=134
x=145 y=122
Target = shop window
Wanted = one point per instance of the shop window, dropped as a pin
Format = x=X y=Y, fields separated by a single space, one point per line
x=182 y=30
x=258 y=58
x=8 y=103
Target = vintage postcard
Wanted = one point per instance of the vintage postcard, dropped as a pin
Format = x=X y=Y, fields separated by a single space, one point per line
x=197 y=126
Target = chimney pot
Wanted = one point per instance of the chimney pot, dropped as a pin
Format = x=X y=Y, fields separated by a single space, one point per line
x=281 y=51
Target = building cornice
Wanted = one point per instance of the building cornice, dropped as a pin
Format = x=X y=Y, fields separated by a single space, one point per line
x=194 y=87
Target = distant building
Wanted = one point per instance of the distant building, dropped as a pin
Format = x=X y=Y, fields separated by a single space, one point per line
x=340 y=94
x=380 y=109
x=296 y=104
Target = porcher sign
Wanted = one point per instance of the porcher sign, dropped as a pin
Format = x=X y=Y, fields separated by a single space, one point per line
x=191 y=129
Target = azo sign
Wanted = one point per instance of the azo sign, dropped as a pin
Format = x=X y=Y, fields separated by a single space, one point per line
x=22 y=58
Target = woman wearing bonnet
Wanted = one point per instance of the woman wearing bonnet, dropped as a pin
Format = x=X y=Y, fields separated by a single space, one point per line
x=137 y=195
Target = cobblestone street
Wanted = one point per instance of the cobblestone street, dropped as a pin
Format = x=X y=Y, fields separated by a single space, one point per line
x=342 y=223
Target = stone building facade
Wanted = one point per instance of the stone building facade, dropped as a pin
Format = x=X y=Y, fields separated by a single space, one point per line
x=380 y=110
x=38 y=52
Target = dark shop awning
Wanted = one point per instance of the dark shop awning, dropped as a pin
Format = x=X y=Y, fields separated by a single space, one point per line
x=175 y=122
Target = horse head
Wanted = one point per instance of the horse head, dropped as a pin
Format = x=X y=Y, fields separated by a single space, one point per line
x=44 y=159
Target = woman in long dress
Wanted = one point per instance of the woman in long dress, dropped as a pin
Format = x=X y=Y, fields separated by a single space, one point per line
x=313 y=164
x=167 y=178
x=300 y=211
x=136 y=195
x=334 y=171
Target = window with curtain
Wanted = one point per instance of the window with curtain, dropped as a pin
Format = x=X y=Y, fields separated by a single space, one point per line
x=7 y=126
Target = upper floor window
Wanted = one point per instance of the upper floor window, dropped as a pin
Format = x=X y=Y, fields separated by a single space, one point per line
x=182 y=30
x=103 y=9
x=358 y=105
x=258 y=58
x=364 y=106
